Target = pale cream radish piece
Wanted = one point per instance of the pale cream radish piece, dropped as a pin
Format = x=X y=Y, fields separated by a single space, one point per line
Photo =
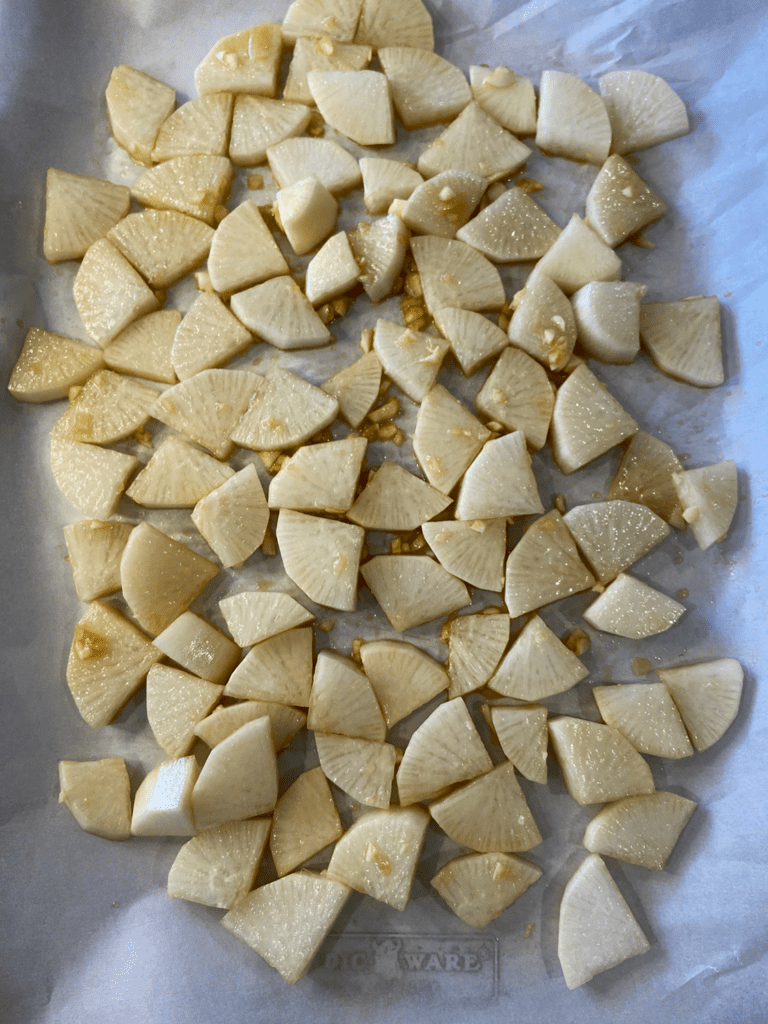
x=426 y=88
x=200 y=648
x=243 y=251
x=177 y=476
x=336 y=19
x=620 y=204
x=321 y=556
x=79 y=210
x=454 y=274
x=176 y=702
x=304 y=822
x=643 y=110
x=474 y=339
x=707 y=696
x=233 y=518
x=403 y=677
x=522 y=733
x=144 y=348
x=474 y=550
x=198 y=185
x=208 y=336
x=396 y=500
x=587 y=421
x=413 y=589
x=444 y=204
x=286 y=412
x=509 y=98
x=475 y=646
x=709 y=497
x=336 y=168
x=640 y=829
x=322 y=53
x=511 y=229
x=518 y=394
x=412 y=359
x=258 y=123
x=279 y=312
x=447 y=438
x=572 y=119
x=278 y=669
x=247 y=61
x=607 y=315
x=645 y=476
x=320 y=477
x=474 y=142
x=137 y=106
x=597 y=762
x=363 y=769
x=98 y=793
x=395 y=23
x=499 y=482
x=284 y=721
x=342 y=700
x=543 y=323
x=199 y=126
x=356 y=388
x=220 y=865
x=646 y=714
x=612 y=535
x=385 y=180
x=332 y=271
x=479 y=887
x=379 y=249
x=631 y=608
x=537 y=665
x=49 y=365
x=109 y=293
x=356 y=103
x=683 y=338
x=95 y=548
x=444 y=750
x=577 y=256
x=286 y=921
x=109 y=407
x=163 y=802
x=597 y=928
x=379 y=853
x=90 y=477
x=307 y=213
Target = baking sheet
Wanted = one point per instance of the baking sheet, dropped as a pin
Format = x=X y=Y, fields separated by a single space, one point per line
x=89 y=932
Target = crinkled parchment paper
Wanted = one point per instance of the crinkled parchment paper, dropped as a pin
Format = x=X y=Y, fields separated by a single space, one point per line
x=89 y=934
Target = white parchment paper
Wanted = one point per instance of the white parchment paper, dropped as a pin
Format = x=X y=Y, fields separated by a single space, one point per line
x=88 y=931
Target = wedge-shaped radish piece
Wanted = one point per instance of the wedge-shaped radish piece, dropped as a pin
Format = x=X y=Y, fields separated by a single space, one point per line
x=447 y=438
x=197 y=184
x=607 y=317
x=412 y=359
x=645 y=476
x=199 y=647
x=572 y=120
x=95 y=548
x=144 y=348
x=474 y=339
x=426 y=88
x=379 y=853
x=522 y=733
x=707 y=696
x=402 y=23
x=286 y=921
x=489 y=815
x=91 y=478
x=543 y=324
x=413 y=589
x=279 y=312
x=161 y=577
x=285 y=722
x=332 y=271
x=511 y=229
x=444 y=750
x=304 y=823
x=632 y=609
x=403 y=677
x=219 y=866
x=544 y=566
x=577 y=256
x=475 y=646
x=396 y=500
x=597 y=762
x=49 y=365
x=479 y=887
x=177 y=476
x=455 y=274
x=363 y=769
x=640 y=829
x=98 y=793
x=206 y=407
x=307 y=211
x=500 y=482
x=474 y=142
x=176 y=702
x=137 y=106
x=199 y=126
x=239 y=778
x=320 y=477
x=509 y=98
x=643 y=110
x=109 y=407
x=379 y=249
x=684 y=340
x=587 y=421
x=336 y=19
x=323 y=53
x=356 y=388
x=343 y=701
x=278 y=669
x=243 y=251
x=385 y=180
x=612 y=535
x=322 y=557
x=246 y=61
x=109 y=293
x=472 y=550
x=258 y=123
x=356 y=103
x=445 y=203
x=337 y=169
x=597 y=928
x=78 y=211
x=709 y=496
x=163 y=802
x=207 y=337
x=285 y=413
x=537 y=665
x=646 y=714
x=620 y=204
x=518 y=395
x=108 y=661
x=233 y=518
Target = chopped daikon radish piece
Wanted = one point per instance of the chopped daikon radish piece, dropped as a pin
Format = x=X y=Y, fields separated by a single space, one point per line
x=445 y=203
x=219 y=866
x=320 y=477
x=577 y=256
x=336 y=19
x=537 y=665
x=572 y=121
x=518 y=395
x=607 y=317
x=258 y=123
x=543 y=324
x=640 y=829
x=620 y=204
x=356 y=388
x=511 y=229
x=49 y=365
x=426 y=88
x=364 y=769
x=137 y=106
x=412 y=359
x=246 y=61
x=95 y=548
x=709 y=496
x=98 y=793
x=284 y=721
x=403 y=677
x=279 y=312
x=645 y=476
x=474 y=142
x=597 y=762
x=277 y=669
x=197 y=184
x=379 y=249
x=356 y=103
x=176 y=702
x=684 y=340
x=307 y=212
x=631 y=608
x=199 y=126
x=413 y=589
x=305 y=821
x=163 y=802
x=707 y=696
x=395 y=23
x=643 y=110
x=646 y=714
x=322 y=557
x=522 y=733
x=208 y=336
x=474 y=339
x=475 y=646
x=109 y=407
x=342 y=700
x=509 y=98
x=612 y=535
x=177 y=476
x=500 y=482
x=332 y=271
x=90 y=477
x=109 y=293
x=144 y=348
x=396 y=500
x=473 y=550
x=385 y=180
x=243 y=251
x=447 y=438
x=337 y=169
x=479 y=887
x=323 y=53
x=78 y=211
x=285 y=413
x=199 y=647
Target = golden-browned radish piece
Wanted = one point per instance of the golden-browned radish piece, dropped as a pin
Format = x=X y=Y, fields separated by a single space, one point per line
x=645 y=476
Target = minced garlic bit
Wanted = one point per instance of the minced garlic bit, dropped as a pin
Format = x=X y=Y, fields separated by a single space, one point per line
x=640 y=666
x=254 y=182
x=326 y=625
x=578 y=641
